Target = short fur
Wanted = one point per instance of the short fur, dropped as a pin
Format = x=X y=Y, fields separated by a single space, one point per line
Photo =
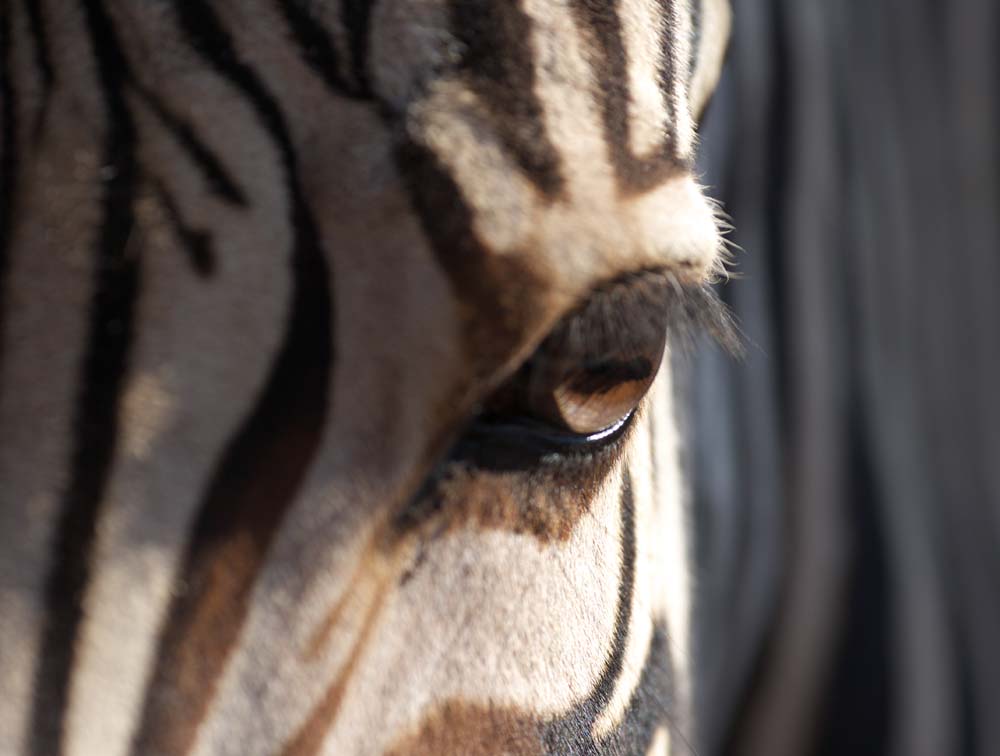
x=260 y=266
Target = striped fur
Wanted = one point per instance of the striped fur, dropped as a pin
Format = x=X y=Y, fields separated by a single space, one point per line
x=261 y=264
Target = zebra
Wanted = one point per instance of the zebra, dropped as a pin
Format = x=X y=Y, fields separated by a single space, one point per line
x=337 y=411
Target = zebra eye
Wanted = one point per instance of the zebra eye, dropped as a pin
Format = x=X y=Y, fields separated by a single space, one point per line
x=589 y=395
x=594 y=369
x=576 y=395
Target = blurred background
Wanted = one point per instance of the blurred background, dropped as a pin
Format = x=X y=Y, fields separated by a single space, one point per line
x=847 y=469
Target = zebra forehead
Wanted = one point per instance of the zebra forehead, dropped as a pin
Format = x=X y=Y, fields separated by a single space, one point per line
x=546 y=147
x=563 y=127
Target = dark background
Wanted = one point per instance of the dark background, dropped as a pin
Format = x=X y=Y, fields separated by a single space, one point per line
x=854 y=143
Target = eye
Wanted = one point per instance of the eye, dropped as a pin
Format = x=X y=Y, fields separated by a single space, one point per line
x=542 y=444
x=591 y=373
x=588 y=393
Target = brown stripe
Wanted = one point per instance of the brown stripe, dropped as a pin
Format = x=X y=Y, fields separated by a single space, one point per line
x=313 y=732
x=263 y=466
x=459 y=728
x=376 y=568
x=601 y=27
x=255 y=484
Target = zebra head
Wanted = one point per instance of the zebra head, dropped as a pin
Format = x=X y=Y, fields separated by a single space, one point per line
x=357 y=431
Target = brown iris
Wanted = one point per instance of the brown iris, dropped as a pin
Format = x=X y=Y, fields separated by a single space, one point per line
x=589 y=398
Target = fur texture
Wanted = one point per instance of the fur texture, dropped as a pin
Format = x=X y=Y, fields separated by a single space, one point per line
x=261 y=266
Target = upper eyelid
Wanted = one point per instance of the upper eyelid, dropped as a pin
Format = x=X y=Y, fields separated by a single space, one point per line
x=688 y=310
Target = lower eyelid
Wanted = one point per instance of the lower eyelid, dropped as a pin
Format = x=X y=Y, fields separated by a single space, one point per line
x=528 y=445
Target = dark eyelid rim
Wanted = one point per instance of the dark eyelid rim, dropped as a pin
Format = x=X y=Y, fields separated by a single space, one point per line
x=523 y=443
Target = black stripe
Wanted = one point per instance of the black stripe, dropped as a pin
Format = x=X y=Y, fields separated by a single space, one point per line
x=317 y=48
x=356 y=17
x=197 y=243
x=601 y=25
x=499 y=285
x=650 y=705
x=43 y=58
x=499 y=65
x=8 y=154
x=214 y=172
x=104 y=369
x=264 y=464
x=571 y=734
x=605 y=687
